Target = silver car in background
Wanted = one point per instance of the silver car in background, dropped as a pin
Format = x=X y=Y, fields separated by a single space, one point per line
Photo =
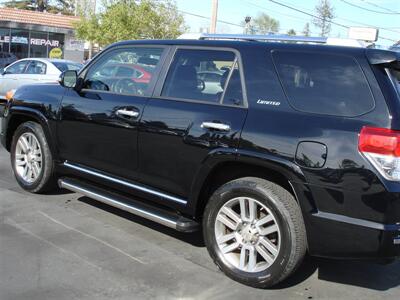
x=33 y=70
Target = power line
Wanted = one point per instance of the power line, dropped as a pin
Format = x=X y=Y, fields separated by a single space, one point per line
x=370 y=10
x=378 y=6
x=317 y=17
x=208 y=18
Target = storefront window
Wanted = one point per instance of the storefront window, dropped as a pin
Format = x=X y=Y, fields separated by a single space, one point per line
x=4 y=39
x=56 y=45
x=38 y=44
x=20 y=43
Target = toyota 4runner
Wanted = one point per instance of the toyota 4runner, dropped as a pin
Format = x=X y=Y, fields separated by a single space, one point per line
x=274 y=149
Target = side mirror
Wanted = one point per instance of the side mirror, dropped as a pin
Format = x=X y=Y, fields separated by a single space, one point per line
x=68 y=78
x=2 y=71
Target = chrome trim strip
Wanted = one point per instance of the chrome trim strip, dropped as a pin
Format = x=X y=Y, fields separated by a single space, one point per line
x=128 y=184
x=358 y=222
x=129 y=208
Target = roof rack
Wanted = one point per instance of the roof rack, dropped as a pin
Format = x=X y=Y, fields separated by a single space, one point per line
x=254 y=37
x=276 y=38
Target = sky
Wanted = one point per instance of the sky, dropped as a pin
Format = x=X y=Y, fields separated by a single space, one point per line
x=234 y=11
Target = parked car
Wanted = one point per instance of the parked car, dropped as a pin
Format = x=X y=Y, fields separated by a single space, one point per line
x=6 y=59
x=300 y=151
x=33 y=70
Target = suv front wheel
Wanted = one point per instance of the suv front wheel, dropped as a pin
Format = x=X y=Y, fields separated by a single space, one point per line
x=254 y=231
x=31 y=158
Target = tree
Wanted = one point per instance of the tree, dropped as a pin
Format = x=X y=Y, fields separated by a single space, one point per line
x=324 y=15
x=125 y=20
x=291 y=32
x=306 y=30
x=265 y=24
x=66 y=7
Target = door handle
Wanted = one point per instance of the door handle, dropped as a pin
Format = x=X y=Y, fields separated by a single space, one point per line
x=127 y=113
x=215 y=126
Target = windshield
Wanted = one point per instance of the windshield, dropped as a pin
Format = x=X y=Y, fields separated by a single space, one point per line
x=65 y=66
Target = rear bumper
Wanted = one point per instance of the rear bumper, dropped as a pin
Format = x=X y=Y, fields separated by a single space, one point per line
x=351 y=224
x=346 y=237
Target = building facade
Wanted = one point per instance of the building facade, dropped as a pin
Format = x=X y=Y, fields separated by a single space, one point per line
x=26 y=33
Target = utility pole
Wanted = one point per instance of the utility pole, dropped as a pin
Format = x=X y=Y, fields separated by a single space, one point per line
x=247 y=25
x=214 y=14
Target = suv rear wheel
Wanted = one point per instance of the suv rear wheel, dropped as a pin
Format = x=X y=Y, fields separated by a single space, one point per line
x=254 y=231
x=31 y=158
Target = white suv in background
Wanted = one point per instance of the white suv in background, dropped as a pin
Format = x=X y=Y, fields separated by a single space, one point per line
x=33 y=70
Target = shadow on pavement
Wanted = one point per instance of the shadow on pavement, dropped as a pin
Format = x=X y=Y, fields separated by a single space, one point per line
x=195 y=238
x=365 y=274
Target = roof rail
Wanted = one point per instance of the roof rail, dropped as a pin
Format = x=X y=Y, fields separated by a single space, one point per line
x=277 y=38
x=255 y=37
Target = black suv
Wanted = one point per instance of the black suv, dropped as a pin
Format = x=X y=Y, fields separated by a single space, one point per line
x=276 y=148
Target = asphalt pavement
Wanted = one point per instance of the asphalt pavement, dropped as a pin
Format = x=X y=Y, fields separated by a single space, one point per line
x=65 y=246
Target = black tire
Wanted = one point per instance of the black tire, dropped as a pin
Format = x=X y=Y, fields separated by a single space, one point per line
x=46 y=180
x=288 y=217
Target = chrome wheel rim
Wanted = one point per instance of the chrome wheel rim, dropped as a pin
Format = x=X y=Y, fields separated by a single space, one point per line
x=247 y=234
x=28 y=157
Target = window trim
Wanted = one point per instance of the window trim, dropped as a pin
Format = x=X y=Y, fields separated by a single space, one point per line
x=27 y=61
x=163 y=76
x=36 y=61
x=157 y=71
x=353 y=58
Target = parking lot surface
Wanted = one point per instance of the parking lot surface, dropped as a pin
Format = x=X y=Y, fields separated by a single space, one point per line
x=65 y=246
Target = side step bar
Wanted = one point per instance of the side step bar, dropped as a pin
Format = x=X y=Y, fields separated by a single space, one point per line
x=161 y=216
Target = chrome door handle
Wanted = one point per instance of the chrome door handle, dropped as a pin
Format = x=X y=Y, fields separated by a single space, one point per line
x=127 y=113
x=216 y=126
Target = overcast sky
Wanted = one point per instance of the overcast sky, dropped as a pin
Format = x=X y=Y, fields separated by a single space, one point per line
x=234 y=11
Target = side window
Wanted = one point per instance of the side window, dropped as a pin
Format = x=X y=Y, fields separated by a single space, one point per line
x=396 y=78
x=324 y=83
x=115 y=71
x=17 y=68
x=36 y=67
x=204 y=75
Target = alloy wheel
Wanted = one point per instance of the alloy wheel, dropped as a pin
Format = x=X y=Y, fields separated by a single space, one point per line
x=28 y=157
x=247 y=234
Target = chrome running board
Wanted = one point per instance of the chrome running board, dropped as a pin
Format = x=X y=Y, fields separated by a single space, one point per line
x=161 y=216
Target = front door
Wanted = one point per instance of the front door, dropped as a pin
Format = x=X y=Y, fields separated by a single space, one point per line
x=11 y=76
x=98 y=126
x=191 y=117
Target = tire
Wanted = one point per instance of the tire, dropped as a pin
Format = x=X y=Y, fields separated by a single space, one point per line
x=276 y=241
x=41 y=158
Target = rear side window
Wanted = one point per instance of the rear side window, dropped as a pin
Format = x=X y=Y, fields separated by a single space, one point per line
x=36 y=68
x=396 y=79
x=324 y=83
x=204 y=75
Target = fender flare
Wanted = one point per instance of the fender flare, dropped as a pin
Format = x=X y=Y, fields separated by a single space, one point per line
x=38 y=116
x=215 y=158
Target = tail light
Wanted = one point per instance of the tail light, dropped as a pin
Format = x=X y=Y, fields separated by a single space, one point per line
x=381 y=146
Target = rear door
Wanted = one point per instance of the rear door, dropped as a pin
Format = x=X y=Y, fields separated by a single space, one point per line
x=188 y=118
x=98 y=127
x=34 y=73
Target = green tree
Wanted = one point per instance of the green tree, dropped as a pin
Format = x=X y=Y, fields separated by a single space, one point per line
x=125 y=20
x=306 y=29
x=66 y=7
x=325 y=13
x=264 y=24
x=291 y=32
